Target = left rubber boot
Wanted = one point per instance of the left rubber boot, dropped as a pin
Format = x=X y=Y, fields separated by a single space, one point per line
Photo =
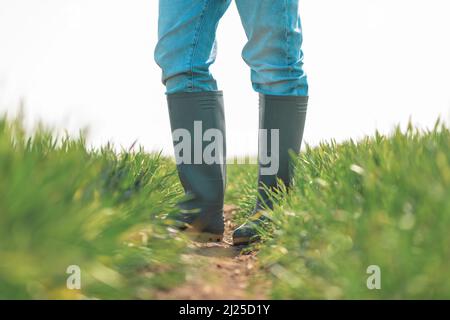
x=198 y=123
x=287 y=114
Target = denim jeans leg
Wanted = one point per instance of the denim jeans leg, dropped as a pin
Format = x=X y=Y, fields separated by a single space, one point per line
x=187 y=43
x=273 y=50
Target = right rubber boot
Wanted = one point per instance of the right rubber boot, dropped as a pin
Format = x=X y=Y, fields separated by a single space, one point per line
x=198 y=131
x=287 y=114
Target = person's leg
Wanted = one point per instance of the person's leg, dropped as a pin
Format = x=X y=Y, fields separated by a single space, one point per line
x=185 y=50
x=274 y=55
x=273 y=51
x=187 y=43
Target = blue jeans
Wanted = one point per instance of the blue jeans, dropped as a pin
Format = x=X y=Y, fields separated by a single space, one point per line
x=187 y=44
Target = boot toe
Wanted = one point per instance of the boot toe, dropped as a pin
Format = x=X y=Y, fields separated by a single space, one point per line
x=196 y=228
x=245 y=234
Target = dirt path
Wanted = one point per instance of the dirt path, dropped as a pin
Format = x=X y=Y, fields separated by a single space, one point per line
x=219 y=271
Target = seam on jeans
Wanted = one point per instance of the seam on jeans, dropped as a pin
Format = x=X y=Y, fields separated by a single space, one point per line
x=195 y=43
x=286 y=16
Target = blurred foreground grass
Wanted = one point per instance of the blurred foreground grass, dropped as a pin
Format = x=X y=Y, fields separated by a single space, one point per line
x=382 y=201
x=63 y=205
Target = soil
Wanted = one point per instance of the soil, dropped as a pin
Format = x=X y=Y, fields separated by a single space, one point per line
x=220 y=271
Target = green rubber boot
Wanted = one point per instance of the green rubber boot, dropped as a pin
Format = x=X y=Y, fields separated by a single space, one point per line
x=198 y=131
x=288 y=115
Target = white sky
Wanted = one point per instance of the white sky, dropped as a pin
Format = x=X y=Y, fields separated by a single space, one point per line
x=78 y=63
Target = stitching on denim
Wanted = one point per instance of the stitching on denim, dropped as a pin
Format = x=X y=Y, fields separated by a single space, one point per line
x=286 y=14
x=195 y=43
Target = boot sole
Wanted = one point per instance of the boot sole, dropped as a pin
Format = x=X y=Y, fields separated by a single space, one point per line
x=241 y=241
x=204 y=236
x=244 y=241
